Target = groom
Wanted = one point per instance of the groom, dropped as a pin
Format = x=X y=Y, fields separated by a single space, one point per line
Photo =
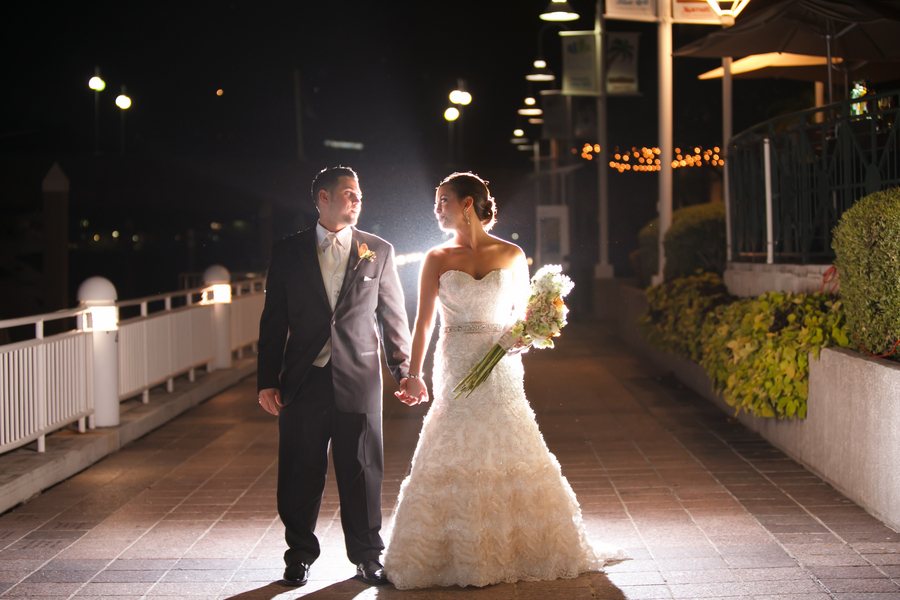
x=332 y=293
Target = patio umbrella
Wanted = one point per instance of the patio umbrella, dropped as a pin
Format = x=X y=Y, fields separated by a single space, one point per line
x=865 y=30
x=803 y=67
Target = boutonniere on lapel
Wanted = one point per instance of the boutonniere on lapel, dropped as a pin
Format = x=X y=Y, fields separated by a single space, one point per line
x=364 y=254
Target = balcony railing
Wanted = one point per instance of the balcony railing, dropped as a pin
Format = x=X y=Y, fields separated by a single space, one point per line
x=820 y=162
x=47 y=383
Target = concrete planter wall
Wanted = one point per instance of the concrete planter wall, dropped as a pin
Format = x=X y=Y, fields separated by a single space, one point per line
x=754 y=279
x=851 y=436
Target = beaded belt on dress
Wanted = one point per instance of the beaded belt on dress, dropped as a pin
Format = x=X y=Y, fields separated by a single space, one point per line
x=473 y=328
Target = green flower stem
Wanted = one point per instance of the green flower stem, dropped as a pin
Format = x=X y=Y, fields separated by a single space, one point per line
x=479 y=372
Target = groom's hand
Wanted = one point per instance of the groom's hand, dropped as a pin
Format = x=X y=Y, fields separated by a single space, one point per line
x=270 y=400
x=412 y=392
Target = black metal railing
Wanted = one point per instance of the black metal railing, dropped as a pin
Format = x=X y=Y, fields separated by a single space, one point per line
x=822 y=161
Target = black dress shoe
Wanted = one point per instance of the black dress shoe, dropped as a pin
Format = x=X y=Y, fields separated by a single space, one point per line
x=296 y=575
x=371 y=572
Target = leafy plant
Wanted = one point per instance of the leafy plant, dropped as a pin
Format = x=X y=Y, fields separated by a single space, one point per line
x=677 y=310
x=867 y=246
x=757 y=350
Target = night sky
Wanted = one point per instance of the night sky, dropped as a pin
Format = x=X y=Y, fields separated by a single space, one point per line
x=372 y=72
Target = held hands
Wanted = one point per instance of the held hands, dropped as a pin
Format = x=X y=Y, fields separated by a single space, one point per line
x=270 y=400
x=412 y=391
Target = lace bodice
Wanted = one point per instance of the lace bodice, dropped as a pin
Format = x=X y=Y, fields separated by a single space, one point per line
x=464 y=299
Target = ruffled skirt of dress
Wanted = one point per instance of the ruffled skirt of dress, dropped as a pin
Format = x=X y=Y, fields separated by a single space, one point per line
x=485 y=501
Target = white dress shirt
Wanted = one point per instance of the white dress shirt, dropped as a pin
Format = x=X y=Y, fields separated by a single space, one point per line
x=332 y=274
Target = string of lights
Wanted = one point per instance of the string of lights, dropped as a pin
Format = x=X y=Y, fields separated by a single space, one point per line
x=647 y=160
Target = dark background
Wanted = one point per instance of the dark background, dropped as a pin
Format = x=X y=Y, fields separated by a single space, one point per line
x=215 y=179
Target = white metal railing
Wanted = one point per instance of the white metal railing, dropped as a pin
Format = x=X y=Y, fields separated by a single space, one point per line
x=156 y=348
x=45 y=383
x=247 y=303
x=48 y=383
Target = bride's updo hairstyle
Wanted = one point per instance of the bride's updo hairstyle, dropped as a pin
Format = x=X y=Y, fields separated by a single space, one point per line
x=470 y=184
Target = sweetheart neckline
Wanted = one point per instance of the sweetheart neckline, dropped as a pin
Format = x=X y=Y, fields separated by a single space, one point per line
x=472 y=277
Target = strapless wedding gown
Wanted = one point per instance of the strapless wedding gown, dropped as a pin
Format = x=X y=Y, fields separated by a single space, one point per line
x=485 y=501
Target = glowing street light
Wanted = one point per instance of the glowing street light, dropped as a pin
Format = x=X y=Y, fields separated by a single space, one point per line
x=451 y=114
x=96 y=84
x=460 y=97
x=540 y=72
x=559 y=10
x=727 y=10
x=518 y=133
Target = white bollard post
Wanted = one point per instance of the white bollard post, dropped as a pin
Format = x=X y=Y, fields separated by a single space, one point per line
x=99 y=294
x=219 y=278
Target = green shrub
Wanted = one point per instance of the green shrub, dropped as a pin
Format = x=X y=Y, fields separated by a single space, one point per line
x=677 y=310
x=756 y=350
x=867 y=245
x=696 y=240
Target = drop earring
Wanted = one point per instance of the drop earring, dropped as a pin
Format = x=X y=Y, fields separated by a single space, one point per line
x=466 y=215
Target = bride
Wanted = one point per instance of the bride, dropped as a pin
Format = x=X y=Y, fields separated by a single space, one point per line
x=485 y=501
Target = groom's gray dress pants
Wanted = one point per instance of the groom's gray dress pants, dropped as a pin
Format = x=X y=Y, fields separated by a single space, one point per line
x=306 y=426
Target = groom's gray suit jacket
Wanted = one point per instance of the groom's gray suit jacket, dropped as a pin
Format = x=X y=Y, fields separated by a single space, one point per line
x=297 y=321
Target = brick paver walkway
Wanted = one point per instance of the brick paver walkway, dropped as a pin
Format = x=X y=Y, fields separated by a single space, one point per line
x=705 y=508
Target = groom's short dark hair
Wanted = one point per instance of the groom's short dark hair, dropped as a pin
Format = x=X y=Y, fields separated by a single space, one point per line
x=327 y=178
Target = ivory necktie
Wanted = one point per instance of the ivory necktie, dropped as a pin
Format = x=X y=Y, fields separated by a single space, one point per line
x=330 y=247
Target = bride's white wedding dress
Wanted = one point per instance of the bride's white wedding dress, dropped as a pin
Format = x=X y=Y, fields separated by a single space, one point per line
x=485 y=501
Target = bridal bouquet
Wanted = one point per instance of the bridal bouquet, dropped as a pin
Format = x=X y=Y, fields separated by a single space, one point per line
x=545 y=315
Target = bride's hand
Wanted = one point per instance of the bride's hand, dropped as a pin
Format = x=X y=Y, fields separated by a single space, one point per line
x=412 y=392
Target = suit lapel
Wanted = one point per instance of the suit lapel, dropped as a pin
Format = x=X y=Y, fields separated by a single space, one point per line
x=309 y=265
x=352 y=261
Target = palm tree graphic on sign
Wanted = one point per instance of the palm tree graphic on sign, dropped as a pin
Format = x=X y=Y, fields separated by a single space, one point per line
x=620 y=48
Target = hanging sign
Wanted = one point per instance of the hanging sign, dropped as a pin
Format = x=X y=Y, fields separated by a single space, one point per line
x=622 y=62
x=579 y=50
x=694 y=11
x=631 y=10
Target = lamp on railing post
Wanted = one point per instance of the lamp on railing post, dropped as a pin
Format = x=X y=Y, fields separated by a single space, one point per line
x=98 y=294
x=218 y=278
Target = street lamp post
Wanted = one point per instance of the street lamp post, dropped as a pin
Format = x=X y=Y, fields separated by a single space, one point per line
x=728 y=10
x=124 y=103
x=559 y=10
x=603 y=269
x=461 y=98
x=98 y=85
x=451 y=115
x=666 y=146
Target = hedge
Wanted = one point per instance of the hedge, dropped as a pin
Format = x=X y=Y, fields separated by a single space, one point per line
x=695 y=241
x=867 y=246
